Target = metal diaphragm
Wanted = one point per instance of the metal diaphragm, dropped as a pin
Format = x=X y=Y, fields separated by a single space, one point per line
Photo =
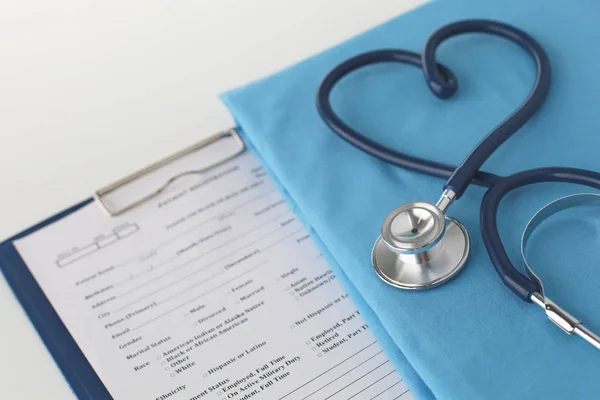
x=419 y=247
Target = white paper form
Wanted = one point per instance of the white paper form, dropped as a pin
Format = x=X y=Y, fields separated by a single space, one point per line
x=214 y=290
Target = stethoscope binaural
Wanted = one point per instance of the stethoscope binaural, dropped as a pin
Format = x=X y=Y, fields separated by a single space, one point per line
x=421 y=247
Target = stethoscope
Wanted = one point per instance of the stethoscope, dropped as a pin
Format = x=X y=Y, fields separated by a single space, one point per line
x=421 y=247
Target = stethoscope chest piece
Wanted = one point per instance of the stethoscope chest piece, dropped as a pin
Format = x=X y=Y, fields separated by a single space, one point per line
x=419 y=247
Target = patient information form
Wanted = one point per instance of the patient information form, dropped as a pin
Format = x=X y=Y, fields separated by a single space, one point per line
x=213 y=290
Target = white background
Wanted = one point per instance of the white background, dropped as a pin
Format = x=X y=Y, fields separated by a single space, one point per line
x=92 y=90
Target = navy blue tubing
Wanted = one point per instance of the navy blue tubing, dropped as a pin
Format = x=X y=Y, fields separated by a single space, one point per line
x=444 y=88
x=443 y=84
x=369 y=146
x=517 y=282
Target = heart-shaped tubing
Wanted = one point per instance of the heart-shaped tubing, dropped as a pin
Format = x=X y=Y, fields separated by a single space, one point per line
x=515 y=280
x=371 y=147
x=443 y=84
x=443 y=88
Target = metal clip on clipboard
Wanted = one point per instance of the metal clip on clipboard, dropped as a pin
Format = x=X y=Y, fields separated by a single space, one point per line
x=99 y=195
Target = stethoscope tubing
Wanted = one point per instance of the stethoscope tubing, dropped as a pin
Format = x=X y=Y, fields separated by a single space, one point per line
x=377 y=150
x=521 y=285
x=443 y=84
x=443 y=88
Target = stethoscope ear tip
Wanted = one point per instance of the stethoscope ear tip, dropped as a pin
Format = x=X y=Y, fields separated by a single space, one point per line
x=419 y=247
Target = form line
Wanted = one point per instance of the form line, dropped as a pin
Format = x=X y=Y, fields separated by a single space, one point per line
x=159 y=289
x=191 y=287
x=373 y=383
x=385 y=390
x=282 y=239
x=197 y=297
x=342 y=375
x=323 y=373
x=356 y=380
x=152 y=268
x=401 y=394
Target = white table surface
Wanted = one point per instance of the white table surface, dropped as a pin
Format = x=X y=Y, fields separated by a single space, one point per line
x=92 y=90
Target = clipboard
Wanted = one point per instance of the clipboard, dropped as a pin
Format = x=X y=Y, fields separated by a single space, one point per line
x=74 y=366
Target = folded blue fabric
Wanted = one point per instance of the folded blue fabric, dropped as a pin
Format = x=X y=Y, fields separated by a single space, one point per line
x=470 y=338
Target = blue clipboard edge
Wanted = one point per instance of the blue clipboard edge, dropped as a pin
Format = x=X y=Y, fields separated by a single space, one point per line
x=76 y=369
